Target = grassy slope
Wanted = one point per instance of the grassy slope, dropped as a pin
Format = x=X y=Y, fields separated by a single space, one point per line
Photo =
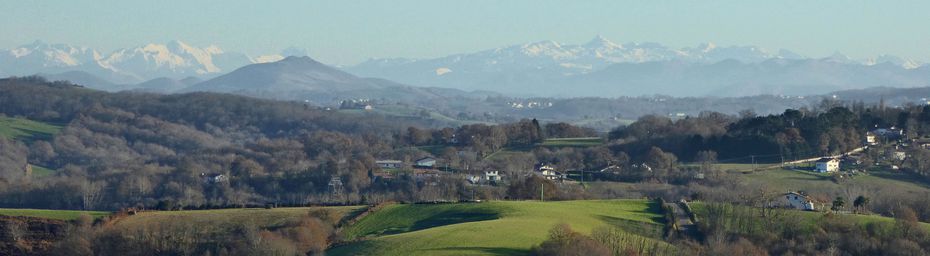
x=51 y=214
x=26 y=130
x=810 y=218
x=573 y=142
x=410 y=112
x=784 y=180
x=508 y=228
x=554 y=142
x=39 y=171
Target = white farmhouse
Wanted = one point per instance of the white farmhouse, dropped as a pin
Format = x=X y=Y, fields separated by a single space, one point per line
x=826 y=164
x=492 y=176
x=389 y=164
x=798 y=201
x=548 y=171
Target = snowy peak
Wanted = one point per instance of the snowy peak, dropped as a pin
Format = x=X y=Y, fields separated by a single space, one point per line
x=839 y=57
x=290 y=51
x=549 y=66
x=893 y=60
x=267 y=58
x=549 y=49
x=52 y=55
x=175 y=59
x=601 y=42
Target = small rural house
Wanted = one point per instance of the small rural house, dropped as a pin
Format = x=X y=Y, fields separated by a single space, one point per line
x=870 y=139
x=492 y=176
x=390 y=164
x=473 y=179
x=551 y=174
x=827 y=164
x=426 y=162
x=421 y=174
x=214 y=178
x=642 y=166
x=548 y=171
x=544 y=167
x=888 y=133
x=798 y=201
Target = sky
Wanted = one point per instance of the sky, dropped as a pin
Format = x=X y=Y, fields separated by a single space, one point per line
x=347 y=32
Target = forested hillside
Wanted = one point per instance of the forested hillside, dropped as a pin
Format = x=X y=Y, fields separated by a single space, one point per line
x=119 y=150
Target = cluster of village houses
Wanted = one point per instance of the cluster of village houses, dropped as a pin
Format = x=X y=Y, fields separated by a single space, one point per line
x=426 y=167
x=872 y=138
x=850 y=162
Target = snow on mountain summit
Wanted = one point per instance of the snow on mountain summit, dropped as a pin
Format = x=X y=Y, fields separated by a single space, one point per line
x=129 y=65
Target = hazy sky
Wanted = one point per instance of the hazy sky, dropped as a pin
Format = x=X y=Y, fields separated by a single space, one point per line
x=346 y=32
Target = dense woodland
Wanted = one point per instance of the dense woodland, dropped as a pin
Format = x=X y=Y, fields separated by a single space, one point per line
x=145 y=150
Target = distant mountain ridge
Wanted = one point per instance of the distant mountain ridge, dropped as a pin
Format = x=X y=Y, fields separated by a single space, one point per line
x=549 y=68
x=598 y=68
x=175 y=59
x=305 y=79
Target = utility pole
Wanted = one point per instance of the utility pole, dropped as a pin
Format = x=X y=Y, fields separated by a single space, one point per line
x=542 y=193
x=753 y=162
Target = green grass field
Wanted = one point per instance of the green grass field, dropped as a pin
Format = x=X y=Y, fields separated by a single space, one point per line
x=39 y=171
x=410 y=112
x=51 y=214
x=795 y=180
x=497 y=227
x=573 y=142
x=26 y=130
x=809 y=218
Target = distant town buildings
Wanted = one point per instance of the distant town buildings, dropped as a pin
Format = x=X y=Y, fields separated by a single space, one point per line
x=364 y=104
x=530 y=105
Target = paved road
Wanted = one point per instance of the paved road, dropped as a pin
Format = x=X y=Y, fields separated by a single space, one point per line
x=857 y=150
x=682 y=219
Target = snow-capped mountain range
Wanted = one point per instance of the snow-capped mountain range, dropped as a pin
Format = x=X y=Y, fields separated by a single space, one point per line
x=601 y=52
x=599 y=67
x=515 y=68
x=174 y=59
